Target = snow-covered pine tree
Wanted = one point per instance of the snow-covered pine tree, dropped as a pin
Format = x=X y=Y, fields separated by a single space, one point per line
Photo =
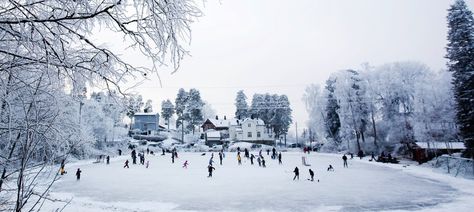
x=242 y=108
x=148 y=106
x=167 y=111
x=193 y=111
x=180 y=105
x=333 y=122
x=460 y=53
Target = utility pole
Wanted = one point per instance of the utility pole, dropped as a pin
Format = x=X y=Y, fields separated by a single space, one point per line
x=182 y=131
x=296 y=126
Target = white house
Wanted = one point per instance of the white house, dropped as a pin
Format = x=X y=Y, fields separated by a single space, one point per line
x=251 y=130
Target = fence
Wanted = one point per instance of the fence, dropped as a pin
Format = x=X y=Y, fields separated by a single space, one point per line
x=456 y=165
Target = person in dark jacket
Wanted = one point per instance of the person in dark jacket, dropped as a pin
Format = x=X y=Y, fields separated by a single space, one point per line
x=210 y=169
x=311 y=174
x=279 y=158
x=126 y=164
x=220 y=158
x=263 y=162
x=297 y=173
x=344 y=158
x=134 y=157
x=78 y=173
x=107 y=159
x=251 y=159
x=120 y=152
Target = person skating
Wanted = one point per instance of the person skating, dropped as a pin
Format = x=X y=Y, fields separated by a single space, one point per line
x=220 y=158
x=372 y=157
x=251 y=159
x=260 y=153
x=274 y=153
x=210 y=169
x=78 y=174
x=134 y=157
x=360 y=154
x=311 y=174
x=162 y=151
x=239 y=159
x=211 y=161
x=185 y=164
x=147 y=150
x=120 y=152
x=126 y=164
x=147 y=163
x=259 y=160
x=268 y=151
x=62 y=170
x=344 y=158
x=279 y=158
x=172 y=157
x=107 y=159
x=330 y=168
x=297 y=173
x=263 y=162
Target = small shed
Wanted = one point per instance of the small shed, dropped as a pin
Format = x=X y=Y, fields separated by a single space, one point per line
x=425 y=151
x=213 y=138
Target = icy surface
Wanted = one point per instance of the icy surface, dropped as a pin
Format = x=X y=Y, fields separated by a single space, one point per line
x=165 y=186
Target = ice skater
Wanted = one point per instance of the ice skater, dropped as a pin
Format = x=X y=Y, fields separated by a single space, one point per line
x=211 y=161
x=344 y=158
x=297 y=173
x=147 y=163
x=279 y=158
x=210 y=169
x=126 y=164
x=311 y=174
x=330 y=168
x=107 y=159
x=185 y=164
x=78 y=174
x=239 y=159
x=259 y=161
x=134 y=157
x=251 y=159
x=220 y=158
x=263 y=162
x=172 y=157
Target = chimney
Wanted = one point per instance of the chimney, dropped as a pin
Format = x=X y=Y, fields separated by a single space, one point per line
x=217 y=117
x=225 y=118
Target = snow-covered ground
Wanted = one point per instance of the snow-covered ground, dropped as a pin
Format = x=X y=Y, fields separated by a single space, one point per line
x=364 y=186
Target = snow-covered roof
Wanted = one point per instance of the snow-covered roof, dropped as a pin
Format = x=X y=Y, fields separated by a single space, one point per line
x=213 y=134
x=259 y=121
x=219 y=123
x=146 y=114
x=441 y=145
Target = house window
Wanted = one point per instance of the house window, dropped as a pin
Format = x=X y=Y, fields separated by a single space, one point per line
x=249 y=134
x=250 y=124
x=258 y=135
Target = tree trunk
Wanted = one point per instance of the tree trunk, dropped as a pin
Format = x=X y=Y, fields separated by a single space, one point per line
x=375 y=130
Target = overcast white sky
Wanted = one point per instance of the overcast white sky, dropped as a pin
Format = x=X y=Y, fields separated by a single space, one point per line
x=281 y=46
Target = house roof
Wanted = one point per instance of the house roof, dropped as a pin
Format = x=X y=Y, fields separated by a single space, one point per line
x=222 y=123
x=146 y=114
x=441 y=145
x=259 y=121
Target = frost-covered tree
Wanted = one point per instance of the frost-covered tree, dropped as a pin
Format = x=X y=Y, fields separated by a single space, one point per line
x=208 y=112
x=460 y=53
x=148 y=107
x=134 y=105
x=193 y=111
x=315 y=104
x=333 y=123
x=167 y=111
x=282 y=118
x=49 y=46
x=242 y=108
x=180 y=105
x=257 y=108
